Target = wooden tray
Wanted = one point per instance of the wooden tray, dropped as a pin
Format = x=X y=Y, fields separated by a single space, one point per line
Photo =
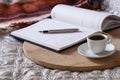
x=70 y=59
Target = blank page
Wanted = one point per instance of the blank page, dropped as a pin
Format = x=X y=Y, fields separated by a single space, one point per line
x=56 y=41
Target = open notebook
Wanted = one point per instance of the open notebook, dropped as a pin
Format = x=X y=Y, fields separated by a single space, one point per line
x=65 y=17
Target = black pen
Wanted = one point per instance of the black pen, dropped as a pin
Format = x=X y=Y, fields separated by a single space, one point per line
x=70 y=30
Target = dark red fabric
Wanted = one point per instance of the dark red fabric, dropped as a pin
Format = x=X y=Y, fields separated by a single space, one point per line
x=39 y=7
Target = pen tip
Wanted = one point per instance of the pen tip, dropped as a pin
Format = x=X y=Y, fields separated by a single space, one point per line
x=43 y=31
x=40 y=31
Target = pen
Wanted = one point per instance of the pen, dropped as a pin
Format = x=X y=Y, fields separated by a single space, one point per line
x=70 y=30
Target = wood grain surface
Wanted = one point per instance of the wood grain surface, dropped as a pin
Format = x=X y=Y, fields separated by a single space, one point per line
x=70 y=59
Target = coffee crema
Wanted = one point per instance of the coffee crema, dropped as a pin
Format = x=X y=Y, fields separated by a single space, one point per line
x=97 y=37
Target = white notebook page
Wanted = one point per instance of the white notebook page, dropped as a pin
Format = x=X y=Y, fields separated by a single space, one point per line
x=55 y=41
x=79 y=16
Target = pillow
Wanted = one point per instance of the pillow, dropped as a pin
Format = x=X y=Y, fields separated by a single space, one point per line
x=16 y=9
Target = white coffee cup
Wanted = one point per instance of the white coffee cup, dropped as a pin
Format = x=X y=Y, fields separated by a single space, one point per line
x=97 y=42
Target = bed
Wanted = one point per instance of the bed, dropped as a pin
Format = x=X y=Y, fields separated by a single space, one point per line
x=14 y=65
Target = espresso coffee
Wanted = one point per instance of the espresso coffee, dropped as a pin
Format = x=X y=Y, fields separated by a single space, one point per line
x=97 y=37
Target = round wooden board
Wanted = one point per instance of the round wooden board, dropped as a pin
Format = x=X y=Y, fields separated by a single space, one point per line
x=70 y=59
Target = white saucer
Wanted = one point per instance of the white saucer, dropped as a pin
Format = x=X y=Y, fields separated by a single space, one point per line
x=83 y=50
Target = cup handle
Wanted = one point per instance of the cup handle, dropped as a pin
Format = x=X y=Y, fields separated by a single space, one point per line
x=109 y=39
